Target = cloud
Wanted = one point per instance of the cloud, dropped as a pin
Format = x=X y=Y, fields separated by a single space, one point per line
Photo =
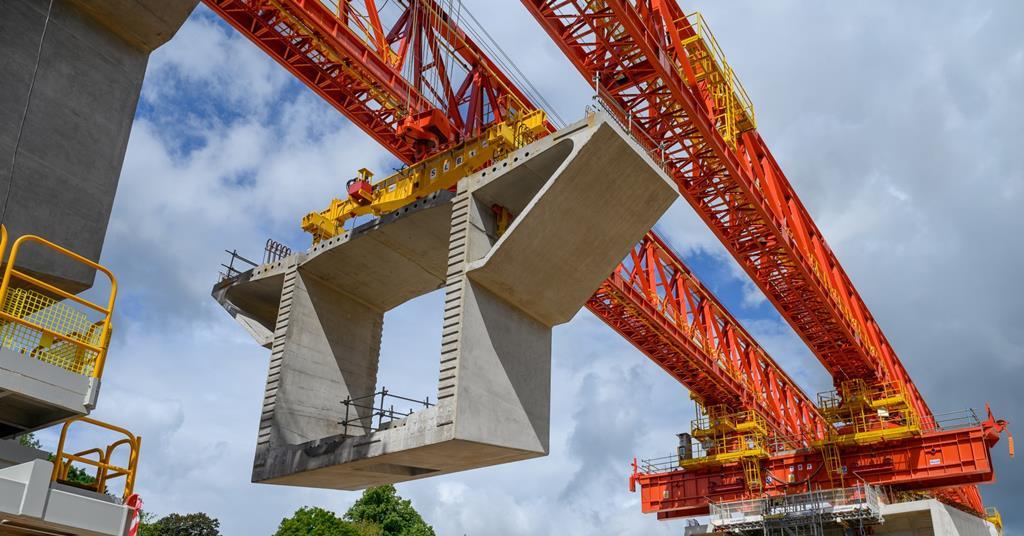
x=897 y=126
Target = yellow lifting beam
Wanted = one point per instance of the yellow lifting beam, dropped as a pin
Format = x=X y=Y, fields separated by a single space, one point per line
x=440 y=172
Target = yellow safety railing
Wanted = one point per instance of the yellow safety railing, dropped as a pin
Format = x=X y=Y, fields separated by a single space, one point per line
x=863 y=414
x=100 y=458
x=51 y=330
x=734 y=110
x=723 y=437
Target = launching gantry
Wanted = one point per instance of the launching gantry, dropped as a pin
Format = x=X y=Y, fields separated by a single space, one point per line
x=427 y=91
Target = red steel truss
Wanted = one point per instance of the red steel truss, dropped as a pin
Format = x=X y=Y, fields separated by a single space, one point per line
x=938 y=459
x=635 y=53
x=654 y=301
x=632 y=49
x=407 y=75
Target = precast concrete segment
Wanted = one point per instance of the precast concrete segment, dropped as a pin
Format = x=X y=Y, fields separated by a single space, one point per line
x=930 y=516
x=580 y=199
x=73 y=74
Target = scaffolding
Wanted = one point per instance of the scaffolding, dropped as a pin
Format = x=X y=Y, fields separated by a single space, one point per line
x=800 y=514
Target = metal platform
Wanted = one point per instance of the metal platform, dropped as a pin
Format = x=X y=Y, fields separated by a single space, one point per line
x=35 y=394
x=800 y=513
x=856 y=510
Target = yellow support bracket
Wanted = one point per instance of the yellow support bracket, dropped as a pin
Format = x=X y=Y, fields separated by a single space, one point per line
x=993 y=516
x=440 y=172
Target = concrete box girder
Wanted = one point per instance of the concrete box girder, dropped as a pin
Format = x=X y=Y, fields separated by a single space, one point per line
x=502 y=296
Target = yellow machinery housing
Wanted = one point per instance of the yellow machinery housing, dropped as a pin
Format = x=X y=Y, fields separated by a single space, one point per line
x=862 y=414
x=726 y=437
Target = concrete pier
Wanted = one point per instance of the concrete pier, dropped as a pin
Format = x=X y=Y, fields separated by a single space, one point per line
x=70 y=81
x=569 y=195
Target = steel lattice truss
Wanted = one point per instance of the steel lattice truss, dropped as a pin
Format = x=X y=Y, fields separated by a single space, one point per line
x=654 y=301
x=382 y=66
x=631 y=50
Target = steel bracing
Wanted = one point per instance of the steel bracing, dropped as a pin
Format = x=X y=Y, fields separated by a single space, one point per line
x=654 y=301
x=415 y=82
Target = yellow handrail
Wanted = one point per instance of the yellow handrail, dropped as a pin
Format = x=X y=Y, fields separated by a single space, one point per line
x=87 y=342
x=3 y=240
x=105 y=471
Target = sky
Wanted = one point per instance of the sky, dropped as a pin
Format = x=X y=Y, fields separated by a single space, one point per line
x=897 y=123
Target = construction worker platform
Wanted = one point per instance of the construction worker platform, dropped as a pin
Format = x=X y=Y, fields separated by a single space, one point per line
x=507 y=281
x=38 y=394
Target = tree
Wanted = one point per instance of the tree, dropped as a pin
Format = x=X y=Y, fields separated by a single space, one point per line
x=315 y=521
x=75 y=474
x=395 y=516
x=197 y=524
x=30 y=440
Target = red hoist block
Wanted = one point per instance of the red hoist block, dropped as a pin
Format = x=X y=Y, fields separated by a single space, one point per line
x=360 y=191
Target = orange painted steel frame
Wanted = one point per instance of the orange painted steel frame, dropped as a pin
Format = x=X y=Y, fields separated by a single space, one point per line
x=356 y=63
x=742 y=194
x=631 y=49
x=357 y=66
x=933 y=460
x=655 y=302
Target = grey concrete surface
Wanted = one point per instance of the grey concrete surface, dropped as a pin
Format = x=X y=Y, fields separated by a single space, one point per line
x=14 y=453
x=503 y=295
x=922 y=518
x=30 y=503
x=73 y=73
x=916 y=518
x=34 y=394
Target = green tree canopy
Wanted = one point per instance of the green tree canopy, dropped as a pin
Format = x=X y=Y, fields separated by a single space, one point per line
x=315 y=521
x=30 y=440
x=197 y=524
x=395 y=516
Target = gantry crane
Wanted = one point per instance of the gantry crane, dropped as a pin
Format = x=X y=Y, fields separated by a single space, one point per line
x=425 y=89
